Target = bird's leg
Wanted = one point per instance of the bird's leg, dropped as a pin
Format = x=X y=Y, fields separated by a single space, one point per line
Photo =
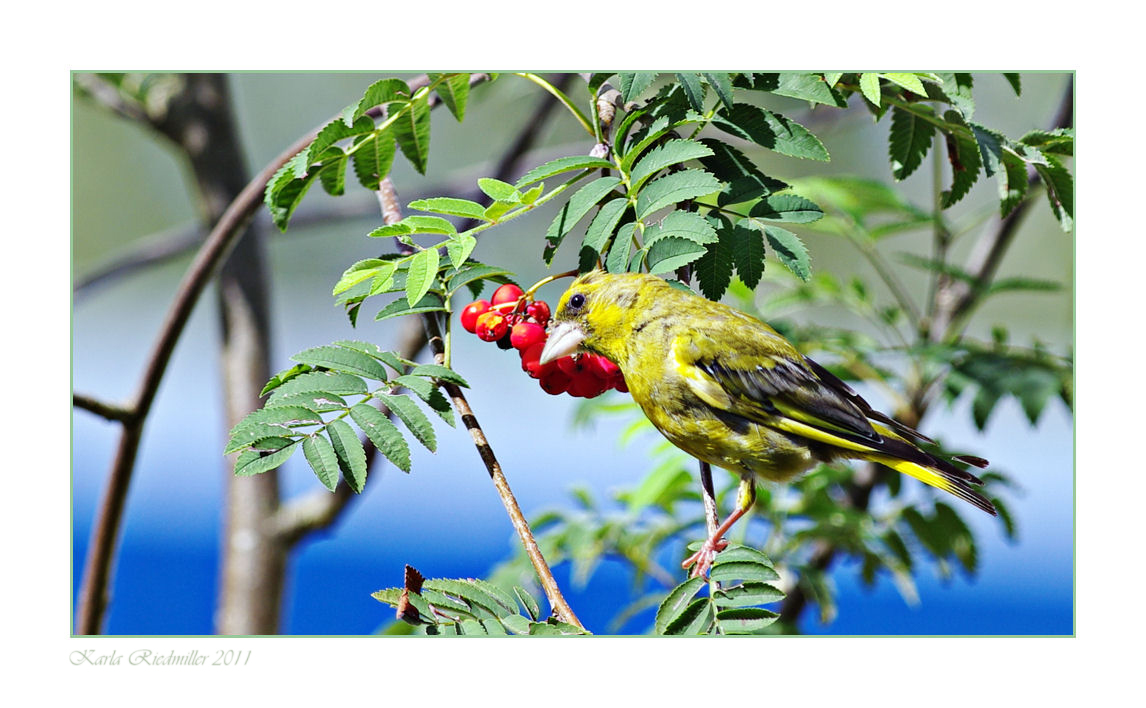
x=715 y=543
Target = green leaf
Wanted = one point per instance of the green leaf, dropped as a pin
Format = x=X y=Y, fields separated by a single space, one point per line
x=745 y=620
x=248 y=432
x=372 y=158
x=351 y=455
x=744 y=181
x=713 y=270
x=618 y=259
x=671 y=252
x=516 y=624
x=601 y=228
x=341 y=359
x=684 y=224
x=1015 y=82
x=722 y=84
x=745 y=570
x=675 y=188
x=746 y=247
x=908 y=81
x=383 y=433
x=332 y=174
x=451 y=206
x=527 y=602
x=786 y=208
x=454 y=92
x=410 y=414
x=770 y=130
x=790 y=250
x=1013 y=183
x=416 y=224
x=649 y=135
x=363 y=270
x=1059 y=141
x=319 y=382
x=473 y=272
x=412 y=131
x=251 y=463
x=459 y=249
x=574 y=210
x=634 y=83
x=747 y=595
x=693 y=90
x=911 y=138
x=804 y=86
x=662 y=156
x=963 y=154
x=380 y=93
x=869 y=87
x=560 y=165
x=1060 y=190
x=675 y=603
x=330 y=134
x=423 y=273
x=437 y=371
x=696 y=619
x=282 y=377
x=499 y=191
x=321 y=457
x=285 y=192
x=431 y=302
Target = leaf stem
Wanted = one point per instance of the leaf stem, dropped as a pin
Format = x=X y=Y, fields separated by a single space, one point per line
x=562 y=98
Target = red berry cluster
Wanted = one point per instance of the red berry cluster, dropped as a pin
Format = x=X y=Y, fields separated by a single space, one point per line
x=514 y=321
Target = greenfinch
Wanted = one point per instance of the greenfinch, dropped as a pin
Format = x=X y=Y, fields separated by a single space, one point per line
x=730 y=391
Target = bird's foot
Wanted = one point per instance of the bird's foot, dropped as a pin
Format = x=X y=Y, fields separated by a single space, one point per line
x=703 y=559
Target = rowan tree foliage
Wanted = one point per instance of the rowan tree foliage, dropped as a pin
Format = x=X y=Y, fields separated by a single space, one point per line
x=675 y=178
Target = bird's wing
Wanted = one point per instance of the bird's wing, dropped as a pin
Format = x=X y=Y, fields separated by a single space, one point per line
x=770 y=383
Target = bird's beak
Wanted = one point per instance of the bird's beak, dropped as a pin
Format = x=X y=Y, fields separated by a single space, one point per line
x=565 y=339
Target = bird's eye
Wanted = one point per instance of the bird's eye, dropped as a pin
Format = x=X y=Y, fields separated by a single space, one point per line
x=577 y=301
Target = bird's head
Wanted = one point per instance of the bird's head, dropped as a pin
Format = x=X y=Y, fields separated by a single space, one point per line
x=597 y=314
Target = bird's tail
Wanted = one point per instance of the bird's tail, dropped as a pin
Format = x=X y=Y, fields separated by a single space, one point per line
x=943 y=475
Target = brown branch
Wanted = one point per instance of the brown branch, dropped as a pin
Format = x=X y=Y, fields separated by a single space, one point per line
x=97 y=570
x=104 y=410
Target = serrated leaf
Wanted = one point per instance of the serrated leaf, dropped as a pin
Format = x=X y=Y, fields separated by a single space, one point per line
x=601 y=228
x=249 y=432
x=1060 y=190
x=516 y=624
x=284 y=191
x=693 y=90
x=527 y=601
x=671 y=252
x=383 y=433
x=332 y=174
x=431 y=302
x=745 y=620
x=574 y=210
x=650 y=135
x=1058 y=142
x=282 y=377
x=1013 y=183
x=251 y=463
x=618 y=259
x=747 y=594
x=788 y=208
x=804 y=86
x=770 y=130
x=372 y=158
x=499 y=191
x=323 y=461
x=722 y=84
x=341 y=359
x=688 y=225
x=330 y=134
x=351 y=455
x=560 y=165
x=474 y=272
x=963 y=154
x=380 y=93
x=696 y=619
x=477 y=596
x=741 y=554
x=1015 y=82
x=675 y=188
x=422 y=275
x=665 y=155
x=317 y=402
x=431 y=394
x=869 y=87
x=634 y=83
x=713 y=270
x=744 y=181
x=412 y=132
x=911 y=138
x=451 y=206
x=744 y=570
x=437 y=371
x=908 y=81
x=459 y=249
x=317 y=382
x=410 y=414
x=361 y=271
x=789 y=250
x=454 y=92
x=675 y=603
x=746 y=247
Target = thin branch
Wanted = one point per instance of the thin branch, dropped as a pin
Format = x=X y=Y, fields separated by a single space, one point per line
x=104 y=410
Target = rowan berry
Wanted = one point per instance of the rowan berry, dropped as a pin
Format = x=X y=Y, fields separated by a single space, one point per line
x=526 y=334
x=491 y=326
x=470 y=314
x=506 y=293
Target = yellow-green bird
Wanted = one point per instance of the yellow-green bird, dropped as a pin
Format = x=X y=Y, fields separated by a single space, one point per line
x=729 y=390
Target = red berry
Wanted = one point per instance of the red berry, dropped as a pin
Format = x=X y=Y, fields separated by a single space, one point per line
x=506 y=293
x=555 y=381
x=470 y=314
x=539 y=311
x=620 y=384
x=601 y=367
x=491 y=326
x=586 y=385
x=526 y=334
x=572 y=365
x=531 y=361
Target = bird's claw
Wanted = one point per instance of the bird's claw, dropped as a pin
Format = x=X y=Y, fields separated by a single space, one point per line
x=704 y=558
